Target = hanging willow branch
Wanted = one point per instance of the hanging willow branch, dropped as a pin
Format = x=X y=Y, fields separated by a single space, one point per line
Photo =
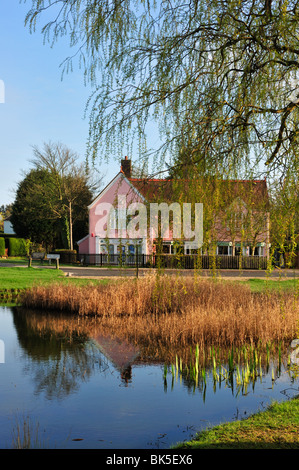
x=223 y=74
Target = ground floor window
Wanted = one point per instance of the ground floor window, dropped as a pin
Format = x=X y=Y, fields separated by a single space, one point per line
x=103 y=249
x=128 y=249
x=238 y=251
x=224 y=250
x=131 y=249
x=255 y=251
x=106 y=249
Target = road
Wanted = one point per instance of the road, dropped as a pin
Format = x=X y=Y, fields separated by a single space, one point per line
x=94 y=272
x=100 y=272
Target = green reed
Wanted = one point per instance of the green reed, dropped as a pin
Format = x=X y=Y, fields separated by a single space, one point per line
x=236 y=368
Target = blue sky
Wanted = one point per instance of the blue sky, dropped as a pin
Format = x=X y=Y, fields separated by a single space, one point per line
x=38 y=106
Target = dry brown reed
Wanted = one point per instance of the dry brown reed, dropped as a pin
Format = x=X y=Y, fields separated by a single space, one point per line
x=175 y=312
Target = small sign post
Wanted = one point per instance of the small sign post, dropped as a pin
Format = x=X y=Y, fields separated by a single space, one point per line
x=56 y=257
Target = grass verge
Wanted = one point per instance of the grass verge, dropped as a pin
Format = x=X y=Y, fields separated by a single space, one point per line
x=24 y=278
x=17 y=279
x=268 y=284
x=275 y=428
x=14 y=260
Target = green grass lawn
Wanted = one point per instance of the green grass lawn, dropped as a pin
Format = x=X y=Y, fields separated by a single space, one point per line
x=14 y=260
x=275 y=428
x=259 y=285
x=24 y=278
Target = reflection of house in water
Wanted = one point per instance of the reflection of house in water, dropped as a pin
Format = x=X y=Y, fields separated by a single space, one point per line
x=120 y=353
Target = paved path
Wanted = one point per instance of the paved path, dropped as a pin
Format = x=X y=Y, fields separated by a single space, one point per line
x=100 y=272
x=94 y=272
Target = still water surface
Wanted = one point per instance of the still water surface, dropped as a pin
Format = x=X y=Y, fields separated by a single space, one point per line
x=93 y=392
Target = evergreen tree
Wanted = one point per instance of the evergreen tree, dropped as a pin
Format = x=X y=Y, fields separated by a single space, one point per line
x=51 y=201
x=31 y=217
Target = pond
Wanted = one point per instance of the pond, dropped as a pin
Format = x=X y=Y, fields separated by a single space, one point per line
x=89 y=390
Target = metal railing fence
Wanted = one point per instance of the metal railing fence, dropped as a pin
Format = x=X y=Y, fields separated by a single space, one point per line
x=174 y=261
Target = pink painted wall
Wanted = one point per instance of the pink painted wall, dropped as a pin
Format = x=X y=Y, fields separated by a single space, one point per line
x=118 y=187
x=84 y=246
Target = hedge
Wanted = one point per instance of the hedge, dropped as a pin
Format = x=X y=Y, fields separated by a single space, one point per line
x=17 y=247
x=67 y=256
x=2 y=246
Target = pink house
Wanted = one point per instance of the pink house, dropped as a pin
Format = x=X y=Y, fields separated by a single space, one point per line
x=108 y=228
x=103 y=219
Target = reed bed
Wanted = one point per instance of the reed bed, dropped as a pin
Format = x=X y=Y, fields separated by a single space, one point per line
x=237 y=368
x=174 y=312
x=152 y=294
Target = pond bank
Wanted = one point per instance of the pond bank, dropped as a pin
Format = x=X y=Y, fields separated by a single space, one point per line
x=275 y=428
x=10 y=294
x=264 y=434
x=59 y=352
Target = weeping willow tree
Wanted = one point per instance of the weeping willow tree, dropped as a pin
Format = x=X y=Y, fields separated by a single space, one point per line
x=219 y=80
x=285 y=218
x=222 y=74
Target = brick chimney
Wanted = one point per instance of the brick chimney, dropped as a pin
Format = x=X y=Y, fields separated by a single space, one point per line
x=126 y=167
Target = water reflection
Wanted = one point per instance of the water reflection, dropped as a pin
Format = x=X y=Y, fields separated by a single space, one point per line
x=119 y=352
x=58 y=363
x=63 y=351
x=82 y=378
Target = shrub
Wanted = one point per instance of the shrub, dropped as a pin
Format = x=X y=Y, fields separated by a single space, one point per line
x=17 y=247
x=2 y=246
x=67 y=256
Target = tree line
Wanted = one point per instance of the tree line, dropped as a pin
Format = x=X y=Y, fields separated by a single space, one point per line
x=219 y=79
x=51 y=203
x=50 y=206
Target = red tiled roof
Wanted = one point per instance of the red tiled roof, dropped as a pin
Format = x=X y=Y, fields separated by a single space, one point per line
x=162 y=189
x=153 y=189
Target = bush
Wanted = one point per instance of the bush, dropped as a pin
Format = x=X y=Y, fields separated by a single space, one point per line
x=67 y=256
x=2 y=246
x=17 y=247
